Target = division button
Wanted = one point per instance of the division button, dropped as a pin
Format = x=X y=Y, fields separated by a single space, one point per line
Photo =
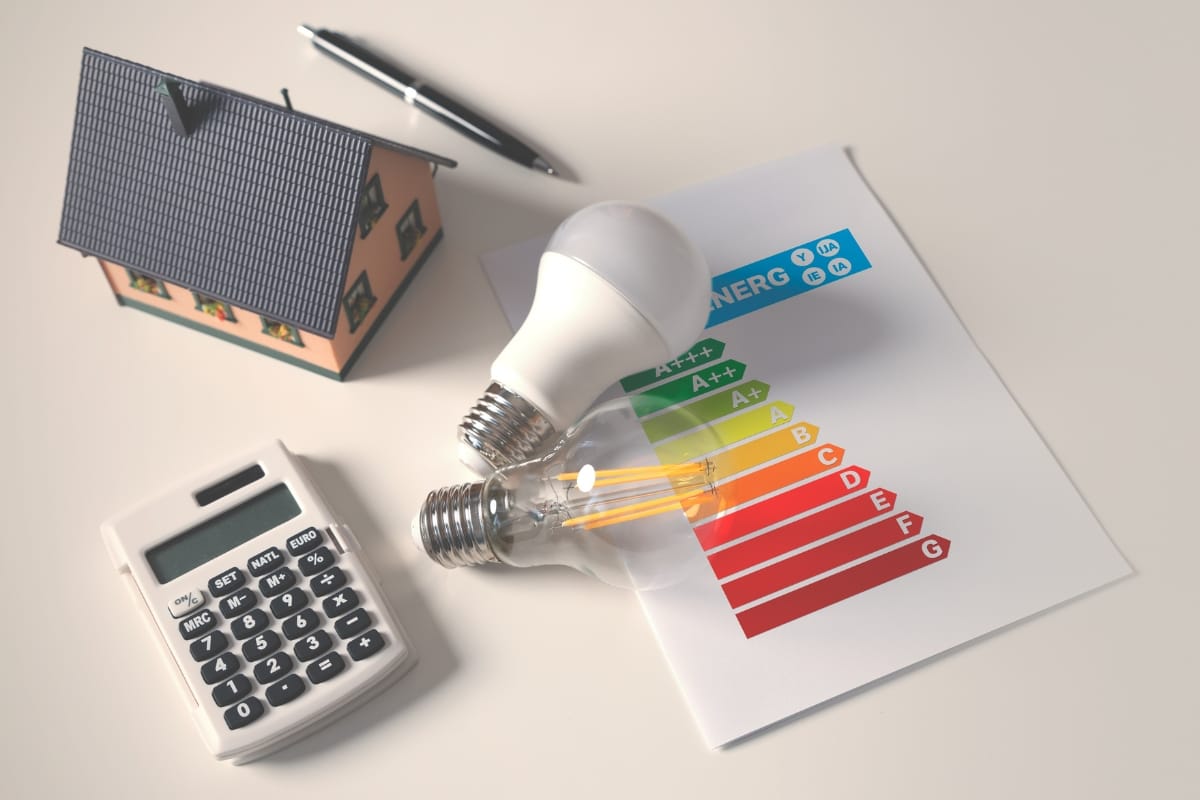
x=231 y=690
x=289 y=603
x=199 y=623
x=265 y=561
x=226 y=582
x=317 y=560
x=249 y=624
x=328 y=582
x=261 y=645
x=244 y=713
x=312 y=645
x=209 y=645
x=286 y=690
x=273 y=668
x=354 y=622
x=186 y=603
x=367 y=644
x=223 y=666
x=277 y=582
x=239 y=602
x=304 y=541
x=303 y=623
x=325 y=668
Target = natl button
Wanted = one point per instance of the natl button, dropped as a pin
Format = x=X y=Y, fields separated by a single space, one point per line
x=250 y=624
x=304 y=541
x=312 y=645
x=328 y=582
x=221 y=667
x=289 y=603
x=226 y=582
x=186 y=603
x=272 y=669
x=317 y=560
x=368 y=644
x=277 y=582
x=265 y=561
x=239 y=602
x=325 y=668
x=286 y=690
x=303 y=623
x=244 y=713
x=261 y=645
x=354 y=622
x=209 y=645
x=345 y=599
x=197 y=624
x=231 y=690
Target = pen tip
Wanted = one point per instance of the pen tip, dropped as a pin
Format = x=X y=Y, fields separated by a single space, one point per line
x=540 y=163
x=305 y=31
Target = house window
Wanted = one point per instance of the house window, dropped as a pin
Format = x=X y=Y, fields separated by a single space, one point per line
x=144 y=283
x=358 y=302
x=281 y=330
x=370 y=206
x=214 y=307
x=410 y=229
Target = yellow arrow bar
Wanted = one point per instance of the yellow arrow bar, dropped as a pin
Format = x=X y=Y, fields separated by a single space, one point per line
x=726 y=432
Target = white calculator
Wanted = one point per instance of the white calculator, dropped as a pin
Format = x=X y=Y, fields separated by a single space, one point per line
x=261 y=600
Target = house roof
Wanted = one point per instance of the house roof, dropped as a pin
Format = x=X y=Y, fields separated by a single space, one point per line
x=257 y=206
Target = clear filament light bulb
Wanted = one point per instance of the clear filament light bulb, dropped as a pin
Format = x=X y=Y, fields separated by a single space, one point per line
x=599 y=501
x=619 y=289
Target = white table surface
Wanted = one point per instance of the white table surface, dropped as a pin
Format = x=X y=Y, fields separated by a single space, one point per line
x=1040 y=156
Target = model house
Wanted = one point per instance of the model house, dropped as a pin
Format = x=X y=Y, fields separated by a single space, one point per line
x=284 y=233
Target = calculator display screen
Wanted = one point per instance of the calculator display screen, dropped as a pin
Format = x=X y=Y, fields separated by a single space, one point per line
x=222 y=533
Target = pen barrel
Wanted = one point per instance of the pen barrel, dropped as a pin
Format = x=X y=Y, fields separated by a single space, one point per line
x=474 y=126
x=366 y=63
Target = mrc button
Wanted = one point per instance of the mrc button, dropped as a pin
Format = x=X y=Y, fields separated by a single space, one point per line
x=198 y=624
x=226 y=582
x=304 y=541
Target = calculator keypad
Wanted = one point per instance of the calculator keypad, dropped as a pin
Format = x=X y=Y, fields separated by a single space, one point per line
x=303 y=623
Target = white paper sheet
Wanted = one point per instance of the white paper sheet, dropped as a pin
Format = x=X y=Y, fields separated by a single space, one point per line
x=872 y=356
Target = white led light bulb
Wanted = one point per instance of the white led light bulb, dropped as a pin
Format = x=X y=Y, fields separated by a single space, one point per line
x=619 y=289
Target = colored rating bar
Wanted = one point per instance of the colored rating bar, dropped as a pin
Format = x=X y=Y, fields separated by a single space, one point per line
x=782 y=506
x=760 y=451
x=811 y=563
x=712 y=407
x=842 y=585
x=793 y=535
x=701 y=353
x=755 y=484
x=687 y=387
x=726 y=432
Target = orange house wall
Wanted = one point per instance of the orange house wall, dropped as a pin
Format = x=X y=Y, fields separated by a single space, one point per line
x=403 y=178
x=247 y=325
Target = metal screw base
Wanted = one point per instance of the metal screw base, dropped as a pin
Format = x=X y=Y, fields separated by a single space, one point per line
x=452 y=526
x=504 y=427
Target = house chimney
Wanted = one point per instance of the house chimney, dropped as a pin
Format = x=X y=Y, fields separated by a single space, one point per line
x=177 y=108
x=287 y=101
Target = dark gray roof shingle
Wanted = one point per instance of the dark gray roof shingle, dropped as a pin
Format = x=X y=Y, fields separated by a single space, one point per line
x=257 y=206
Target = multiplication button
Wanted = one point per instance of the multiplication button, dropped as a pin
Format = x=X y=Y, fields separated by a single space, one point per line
x=325 y=668
x=368 y=644
x=344 y=600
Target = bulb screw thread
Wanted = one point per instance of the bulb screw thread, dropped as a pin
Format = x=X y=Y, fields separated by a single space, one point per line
x=453 y=526
x=505 y=428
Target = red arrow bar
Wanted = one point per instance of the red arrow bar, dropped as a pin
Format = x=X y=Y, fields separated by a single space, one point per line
x=800 y=532
x=811 y=563
x=838 y=587
x=787 y=504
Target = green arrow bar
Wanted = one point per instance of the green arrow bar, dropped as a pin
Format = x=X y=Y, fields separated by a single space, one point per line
x=706 y=410
x=688 y=387
x=702 y=352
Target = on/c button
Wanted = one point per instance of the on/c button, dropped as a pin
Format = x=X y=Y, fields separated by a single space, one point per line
x=188 y=601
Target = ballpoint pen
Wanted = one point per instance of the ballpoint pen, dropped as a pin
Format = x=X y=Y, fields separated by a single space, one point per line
x=424 y=97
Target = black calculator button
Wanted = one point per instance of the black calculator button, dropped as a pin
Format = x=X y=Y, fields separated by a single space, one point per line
x=304 y=541
x=250 y=624
x=231 y=690
x=265 y=561
x=302 y=624
x=346 y=599
x=328 y=582
x=277 y=582
x=352 y=623
x=198 y=624
x=367 y=644
x=239 y=602
x=226 y=582
x=244 y=713
x=209 y=645
x=261 y=645
x=312 y=645
x=222 y=667
x=289 y=603
x=325 y=668
x=273 y=668
x=317 y=560
x=286 y=690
